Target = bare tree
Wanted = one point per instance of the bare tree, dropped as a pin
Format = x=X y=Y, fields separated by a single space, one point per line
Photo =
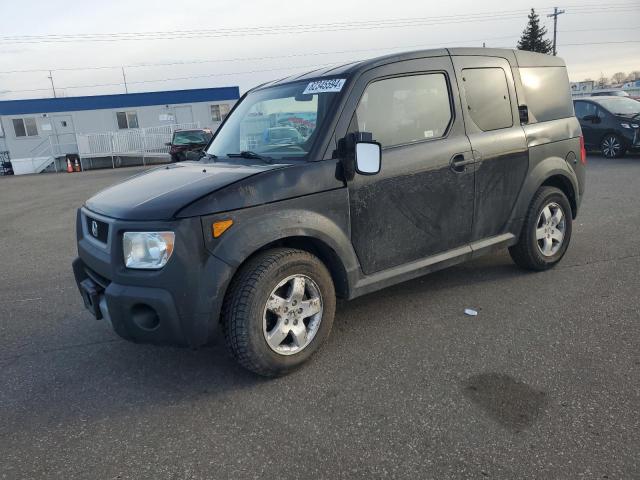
x=602 y=81
x=619 y=77
x=634 y=75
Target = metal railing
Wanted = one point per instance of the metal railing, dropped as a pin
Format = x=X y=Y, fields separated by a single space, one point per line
x=44 y=154
x=139 y=142
x=136 y=142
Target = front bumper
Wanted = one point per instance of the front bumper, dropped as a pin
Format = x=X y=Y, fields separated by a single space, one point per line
x=177 y=305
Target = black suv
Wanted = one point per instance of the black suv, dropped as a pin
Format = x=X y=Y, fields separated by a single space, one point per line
x=610 y=124
x=403 y=165
x=185 y=141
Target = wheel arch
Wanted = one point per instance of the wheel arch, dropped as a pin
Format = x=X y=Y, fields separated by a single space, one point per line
x=317 y=226
x=551 y=171
x=320 y=249
x=563 y=183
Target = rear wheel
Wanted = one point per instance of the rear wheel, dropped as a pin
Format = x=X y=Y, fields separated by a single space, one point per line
x=546 y=231
x=612 y=146
x=278 y=311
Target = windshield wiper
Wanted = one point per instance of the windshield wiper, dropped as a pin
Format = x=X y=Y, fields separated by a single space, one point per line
x=250 y=155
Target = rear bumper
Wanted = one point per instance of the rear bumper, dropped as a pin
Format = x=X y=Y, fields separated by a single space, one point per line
x=177 y=305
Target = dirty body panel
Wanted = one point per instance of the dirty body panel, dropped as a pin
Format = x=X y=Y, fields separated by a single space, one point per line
x=454 y=183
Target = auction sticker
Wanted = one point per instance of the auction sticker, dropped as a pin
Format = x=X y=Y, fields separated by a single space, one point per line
x=324 y=86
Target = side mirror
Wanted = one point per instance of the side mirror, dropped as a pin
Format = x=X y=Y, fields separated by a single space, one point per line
x=591 y=118
x=368 y=158
x=167 y=144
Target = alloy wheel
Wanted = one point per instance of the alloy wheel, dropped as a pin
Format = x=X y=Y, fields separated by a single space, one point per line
x=611 y=146
x=550 y=229
x=292 y=314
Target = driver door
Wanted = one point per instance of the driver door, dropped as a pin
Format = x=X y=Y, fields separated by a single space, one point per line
x=589 y=118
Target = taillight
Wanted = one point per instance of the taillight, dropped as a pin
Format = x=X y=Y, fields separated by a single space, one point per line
x=583 y=151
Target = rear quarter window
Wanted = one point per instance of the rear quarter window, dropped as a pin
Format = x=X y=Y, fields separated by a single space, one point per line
x=487 y=94
x=547 y=92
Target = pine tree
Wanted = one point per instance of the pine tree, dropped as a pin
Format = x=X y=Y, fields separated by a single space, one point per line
x=533 y=36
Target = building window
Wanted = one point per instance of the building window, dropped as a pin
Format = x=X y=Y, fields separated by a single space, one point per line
x=127 y=120
x=219 y=112
x=25 y=127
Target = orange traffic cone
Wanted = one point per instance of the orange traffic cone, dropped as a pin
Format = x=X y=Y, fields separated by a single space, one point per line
x=69 y=166
x=76 y=167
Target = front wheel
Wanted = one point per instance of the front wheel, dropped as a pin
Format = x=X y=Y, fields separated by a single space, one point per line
x=546 y=231
x=612 y=146
x=278 y=311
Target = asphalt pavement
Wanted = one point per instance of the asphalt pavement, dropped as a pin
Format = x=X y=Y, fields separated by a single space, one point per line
x=543 y=383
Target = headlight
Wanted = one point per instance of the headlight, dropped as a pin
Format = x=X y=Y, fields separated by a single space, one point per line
x=147 y=250
x=625 y=125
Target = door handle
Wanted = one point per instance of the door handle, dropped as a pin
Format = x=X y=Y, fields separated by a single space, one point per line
x=459 y=163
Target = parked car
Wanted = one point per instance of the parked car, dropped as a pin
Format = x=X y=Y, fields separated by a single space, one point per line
x=610 y=93
x=418 y=161
x=192 y=140
x=282 y=136
x=610 y=124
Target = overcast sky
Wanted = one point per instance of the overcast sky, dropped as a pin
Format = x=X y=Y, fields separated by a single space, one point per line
x=240 y=42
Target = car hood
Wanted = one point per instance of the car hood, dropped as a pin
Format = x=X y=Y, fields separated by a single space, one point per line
x=159 y=193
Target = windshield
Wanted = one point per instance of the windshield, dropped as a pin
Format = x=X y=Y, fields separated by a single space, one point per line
x=279 y=122
x=186 y=138
x=621 y=105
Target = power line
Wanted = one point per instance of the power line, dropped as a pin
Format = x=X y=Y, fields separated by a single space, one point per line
x=276 y=57
x=210 y=75
x=294 y=29
x=240 y=59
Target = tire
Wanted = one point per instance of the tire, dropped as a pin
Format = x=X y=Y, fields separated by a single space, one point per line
x=535 y=253
x=267 y=283
x=612 y=146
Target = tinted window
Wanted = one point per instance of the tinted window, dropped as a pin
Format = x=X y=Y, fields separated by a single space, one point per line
x=584 y=108
x=547 y=92
x=487 y=95
x=403 y=110
x=621 y=105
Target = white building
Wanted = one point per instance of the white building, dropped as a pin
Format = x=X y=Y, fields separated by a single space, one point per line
x=38 y=133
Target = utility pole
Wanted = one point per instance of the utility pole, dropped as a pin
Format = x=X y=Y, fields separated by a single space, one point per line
x=124 y=77
x=52 y=85
x=555 y=14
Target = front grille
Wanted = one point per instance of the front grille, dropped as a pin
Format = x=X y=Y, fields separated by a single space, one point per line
x=97 y=229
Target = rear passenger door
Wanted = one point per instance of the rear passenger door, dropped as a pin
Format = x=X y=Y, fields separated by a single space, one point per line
x=498 y=140
x=421 y=201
